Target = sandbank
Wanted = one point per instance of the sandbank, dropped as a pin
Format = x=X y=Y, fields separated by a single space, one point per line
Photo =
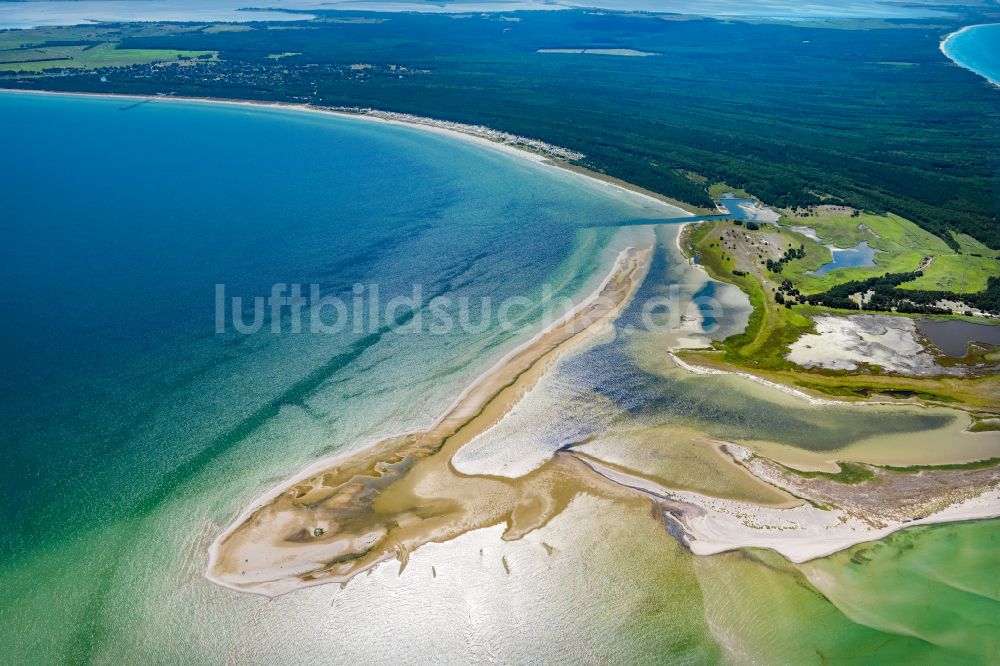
x=710 y=525
x=347 y=514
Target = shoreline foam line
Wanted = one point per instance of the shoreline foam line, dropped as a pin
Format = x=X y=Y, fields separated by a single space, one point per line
x=424 y=123
x=943 y=46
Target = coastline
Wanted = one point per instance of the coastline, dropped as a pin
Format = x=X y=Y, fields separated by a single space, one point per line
x=709 y=525
x=342 y=486
x=424 y=123
x=943 y=46
x=758 y=537
x=812 y=400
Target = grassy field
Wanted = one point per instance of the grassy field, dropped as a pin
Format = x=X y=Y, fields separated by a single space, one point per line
x=718 y=190
x=960 y=273
x=83 y=47
x=902 y=247
x=969 y=245
x=771 y=327
x=83 y=57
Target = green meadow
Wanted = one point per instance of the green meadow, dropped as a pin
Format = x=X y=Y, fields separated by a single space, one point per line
x=902 y=247
x=772 y=326
x=83 y=48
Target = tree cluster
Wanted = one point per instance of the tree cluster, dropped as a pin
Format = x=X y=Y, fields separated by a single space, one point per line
x=790 y=254
x=884 y=294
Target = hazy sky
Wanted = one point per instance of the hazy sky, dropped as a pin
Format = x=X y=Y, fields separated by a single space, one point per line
x=57 y=12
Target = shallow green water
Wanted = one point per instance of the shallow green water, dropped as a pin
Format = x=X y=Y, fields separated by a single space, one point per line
x=937 y=584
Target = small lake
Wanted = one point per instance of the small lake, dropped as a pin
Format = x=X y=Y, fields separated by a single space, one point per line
x=952 y=336
x=860 y=256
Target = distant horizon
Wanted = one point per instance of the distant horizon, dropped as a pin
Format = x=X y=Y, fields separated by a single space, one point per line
x=15 y=14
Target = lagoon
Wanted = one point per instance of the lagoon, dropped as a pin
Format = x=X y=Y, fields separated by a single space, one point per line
x=952 y=336
x=21 y=15
x=58 y=12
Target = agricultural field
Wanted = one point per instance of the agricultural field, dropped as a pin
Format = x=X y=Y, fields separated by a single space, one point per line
x=82 y=47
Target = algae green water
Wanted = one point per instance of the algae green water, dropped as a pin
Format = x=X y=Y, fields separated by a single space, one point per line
x=937 y=584
x=926 y=595
x=133 y=433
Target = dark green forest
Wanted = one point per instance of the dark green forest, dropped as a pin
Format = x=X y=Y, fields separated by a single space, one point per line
x=878 y=119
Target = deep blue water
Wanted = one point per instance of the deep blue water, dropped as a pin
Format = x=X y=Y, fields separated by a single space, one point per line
x=977 y=48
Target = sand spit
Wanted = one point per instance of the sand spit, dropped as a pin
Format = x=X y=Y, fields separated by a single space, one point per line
x=812 y=400
x=345 y=515
x=835 y=515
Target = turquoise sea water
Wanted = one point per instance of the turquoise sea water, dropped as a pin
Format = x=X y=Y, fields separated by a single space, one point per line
x=132 y=432
x=977 y=48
